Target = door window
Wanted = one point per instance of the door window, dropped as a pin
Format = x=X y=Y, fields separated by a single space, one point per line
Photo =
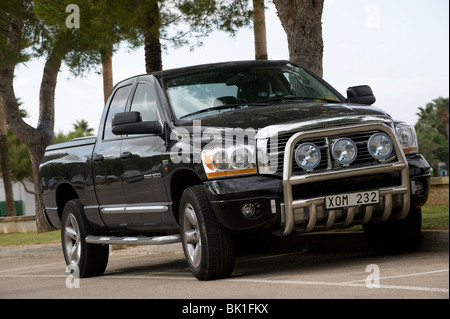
x=117 y=105
x=144 y=102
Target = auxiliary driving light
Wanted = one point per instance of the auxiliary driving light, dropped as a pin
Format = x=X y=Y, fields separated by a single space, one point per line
x=344 y=151
x=380 y=146
x=307 y=156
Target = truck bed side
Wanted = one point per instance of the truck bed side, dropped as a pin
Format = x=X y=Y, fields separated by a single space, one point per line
x=66 y=173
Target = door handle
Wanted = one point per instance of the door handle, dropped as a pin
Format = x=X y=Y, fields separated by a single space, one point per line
x=98 y=158
x=125 y=155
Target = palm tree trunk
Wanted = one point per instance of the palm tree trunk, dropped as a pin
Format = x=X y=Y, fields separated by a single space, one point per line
x=107 y=74
x=259 y=30
x=152 y=44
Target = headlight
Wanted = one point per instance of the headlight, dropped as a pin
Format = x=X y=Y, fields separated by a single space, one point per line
x=235 y=160
x=307 y=156
x=344 y=151
x=407 y=137
x=380 y=146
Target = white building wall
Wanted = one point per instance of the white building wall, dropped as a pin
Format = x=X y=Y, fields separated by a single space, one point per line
x=21 y=194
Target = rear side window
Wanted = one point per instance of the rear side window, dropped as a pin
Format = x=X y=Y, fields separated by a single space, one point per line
x=117 y=105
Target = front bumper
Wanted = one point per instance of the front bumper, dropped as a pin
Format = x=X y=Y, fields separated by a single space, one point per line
x=297 y=202
x=228 y=196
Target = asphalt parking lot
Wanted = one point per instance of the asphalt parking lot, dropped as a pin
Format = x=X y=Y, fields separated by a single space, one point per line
x=336 y=266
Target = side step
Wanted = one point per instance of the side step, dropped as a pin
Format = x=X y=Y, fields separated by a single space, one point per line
x=141 y=240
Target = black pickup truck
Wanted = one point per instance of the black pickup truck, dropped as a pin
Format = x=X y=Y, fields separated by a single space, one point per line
x=199 y=154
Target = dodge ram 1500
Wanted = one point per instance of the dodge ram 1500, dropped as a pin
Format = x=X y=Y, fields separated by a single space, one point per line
x=199 y=154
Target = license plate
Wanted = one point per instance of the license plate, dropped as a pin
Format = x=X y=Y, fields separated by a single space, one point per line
x=352 y=199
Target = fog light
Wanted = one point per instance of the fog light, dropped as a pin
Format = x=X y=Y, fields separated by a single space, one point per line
x=248 y=210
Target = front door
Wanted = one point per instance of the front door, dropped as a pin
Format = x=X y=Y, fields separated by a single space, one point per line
x=143 y=163
x=107 y=166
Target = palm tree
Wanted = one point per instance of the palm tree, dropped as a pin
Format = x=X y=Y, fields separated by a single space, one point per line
x=259 y=30
x=443 y=115
x=83 y=127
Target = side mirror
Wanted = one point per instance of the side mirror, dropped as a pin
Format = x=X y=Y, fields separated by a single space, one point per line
x=361 y=94
x=131 y=123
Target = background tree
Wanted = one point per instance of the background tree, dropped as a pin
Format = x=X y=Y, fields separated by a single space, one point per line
x=259 y=30
x=432 y=132
x=30 y=26
x=97 y=37
x=20 y=159
x=21 y=31
x=302 y=21
x=181 y=23
x=80 y=129
x=6 y=173
x=82 y=126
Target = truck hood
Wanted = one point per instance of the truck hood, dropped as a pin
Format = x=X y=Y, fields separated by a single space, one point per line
x=296 y=116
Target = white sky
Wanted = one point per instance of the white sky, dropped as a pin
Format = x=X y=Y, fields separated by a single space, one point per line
x=398 y=47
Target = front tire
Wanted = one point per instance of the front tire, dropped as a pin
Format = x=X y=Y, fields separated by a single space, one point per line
x=396 y=236
x=207 y=245
x=82 y=259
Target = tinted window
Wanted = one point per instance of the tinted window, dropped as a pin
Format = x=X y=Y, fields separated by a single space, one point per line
x=227 y=88
x=117 y=105
x=145 y=103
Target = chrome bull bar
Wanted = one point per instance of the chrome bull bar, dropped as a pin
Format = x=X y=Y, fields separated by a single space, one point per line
x=386 y=193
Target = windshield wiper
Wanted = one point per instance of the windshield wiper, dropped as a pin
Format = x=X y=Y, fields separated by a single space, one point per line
x=215 y=108
x=294 y=97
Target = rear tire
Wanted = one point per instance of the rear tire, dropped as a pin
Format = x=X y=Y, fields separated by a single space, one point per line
x=82 y=259
x=396 y=236
x=207 y=245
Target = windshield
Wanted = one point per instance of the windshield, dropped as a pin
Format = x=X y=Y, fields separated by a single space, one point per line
x=226 y=88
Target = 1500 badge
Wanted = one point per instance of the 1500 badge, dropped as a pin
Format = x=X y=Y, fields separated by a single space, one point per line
x=152 y=175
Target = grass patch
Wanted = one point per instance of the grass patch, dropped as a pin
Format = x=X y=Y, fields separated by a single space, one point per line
x=433 y=217
x=30 y=238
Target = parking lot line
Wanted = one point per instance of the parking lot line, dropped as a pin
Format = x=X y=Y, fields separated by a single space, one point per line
x=32 y=268
x=404 y=275
x=339 y=284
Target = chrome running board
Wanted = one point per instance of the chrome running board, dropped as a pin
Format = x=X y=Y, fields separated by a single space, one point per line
x=141 y=240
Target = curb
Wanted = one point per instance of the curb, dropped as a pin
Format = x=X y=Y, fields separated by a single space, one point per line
x=432 y=241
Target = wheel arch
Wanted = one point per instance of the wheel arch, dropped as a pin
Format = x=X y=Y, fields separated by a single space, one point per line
x=64 y=193
x=181 y=180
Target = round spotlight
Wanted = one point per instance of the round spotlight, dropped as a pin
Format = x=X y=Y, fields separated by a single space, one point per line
x=380 y=146
x=307 y=156
x=344 y=151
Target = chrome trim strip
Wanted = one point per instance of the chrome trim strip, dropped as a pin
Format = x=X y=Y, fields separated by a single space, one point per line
x=135 y=209
x=113 y=210
x=147 y=209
